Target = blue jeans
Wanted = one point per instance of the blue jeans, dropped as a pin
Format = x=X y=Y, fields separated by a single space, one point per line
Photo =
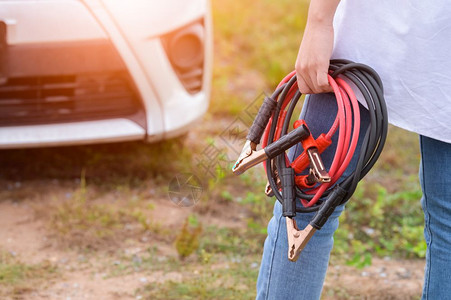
x=280 y=278
x=435 y=179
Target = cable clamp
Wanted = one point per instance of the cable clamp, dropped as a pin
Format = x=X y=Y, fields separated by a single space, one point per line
x=311 y=156
x=249 y=157
x=297 y=239
x=268 y=189
x=317 y=166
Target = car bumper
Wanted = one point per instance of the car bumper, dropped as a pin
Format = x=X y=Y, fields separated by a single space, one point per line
x=160 y=106
x=89 y=132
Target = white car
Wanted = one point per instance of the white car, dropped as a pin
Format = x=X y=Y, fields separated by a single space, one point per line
x=94 y=71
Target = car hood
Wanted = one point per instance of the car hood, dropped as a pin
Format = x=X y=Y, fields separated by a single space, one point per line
x=154 y=17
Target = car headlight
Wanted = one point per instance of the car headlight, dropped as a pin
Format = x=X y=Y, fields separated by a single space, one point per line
x=185 y=50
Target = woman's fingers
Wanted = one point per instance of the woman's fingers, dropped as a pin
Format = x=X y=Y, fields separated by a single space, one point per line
x=313 y=80
x=312 y=64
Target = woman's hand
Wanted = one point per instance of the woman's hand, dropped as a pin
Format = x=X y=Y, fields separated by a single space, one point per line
x=312 y=64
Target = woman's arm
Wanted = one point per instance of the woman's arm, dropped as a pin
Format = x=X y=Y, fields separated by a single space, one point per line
x=312 y=63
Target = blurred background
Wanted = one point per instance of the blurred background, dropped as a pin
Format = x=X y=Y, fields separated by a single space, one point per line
x=120 y=121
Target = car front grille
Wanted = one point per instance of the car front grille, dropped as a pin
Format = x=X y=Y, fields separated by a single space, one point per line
x=67 y=98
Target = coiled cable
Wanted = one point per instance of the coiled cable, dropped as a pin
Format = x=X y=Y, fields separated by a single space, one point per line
x=347 y=123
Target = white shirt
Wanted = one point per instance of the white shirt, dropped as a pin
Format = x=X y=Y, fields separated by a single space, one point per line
x=408 y=42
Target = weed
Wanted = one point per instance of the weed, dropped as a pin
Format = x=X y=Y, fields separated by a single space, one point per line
x=226 y=196
x=260 y=208
x=150 y=260
x=82 y=223
x=187 y=240
x=17 y=277
x=232 y=281
x=231 y=241
x=382 y=223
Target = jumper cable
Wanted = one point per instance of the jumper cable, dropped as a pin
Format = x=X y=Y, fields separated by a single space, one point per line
x=319 y=188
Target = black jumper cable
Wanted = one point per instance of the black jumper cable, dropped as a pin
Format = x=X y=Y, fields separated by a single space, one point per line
x=320 y=190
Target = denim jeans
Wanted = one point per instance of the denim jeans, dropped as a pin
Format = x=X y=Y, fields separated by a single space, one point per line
x=435 y=179
x=280 y=278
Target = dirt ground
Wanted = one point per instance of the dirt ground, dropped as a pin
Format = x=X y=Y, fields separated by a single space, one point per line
x=85 y=276
x=32 y=182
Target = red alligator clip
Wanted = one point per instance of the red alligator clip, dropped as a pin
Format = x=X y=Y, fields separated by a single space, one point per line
x=310 y=156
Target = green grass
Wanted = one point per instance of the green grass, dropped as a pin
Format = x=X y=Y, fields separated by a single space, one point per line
x=150 y=260
x=379 y=223
x=106 y=165
x=225 y=266
x=80 y=222
x=384 y=216
x=256 y=45
x=17 y=278
x=233 y=281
